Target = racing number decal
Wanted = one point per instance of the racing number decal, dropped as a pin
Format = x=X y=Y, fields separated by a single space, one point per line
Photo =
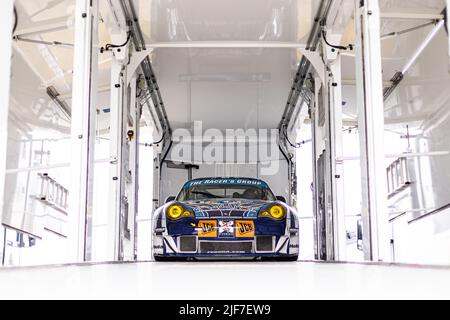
x=245 y=229
x=207 y=228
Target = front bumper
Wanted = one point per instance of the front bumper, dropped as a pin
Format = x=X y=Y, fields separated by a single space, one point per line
x=258 y=246
x=225 y=237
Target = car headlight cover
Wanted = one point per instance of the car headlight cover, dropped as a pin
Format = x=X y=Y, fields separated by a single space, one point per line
x=276 y=212
x=177 y=211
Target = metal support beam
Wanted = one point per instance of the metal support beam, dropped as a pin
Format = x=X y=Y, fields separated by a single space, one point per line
x=125 y=115
x=132 y=186
x=118 y=231
x=326 y=116
x=124 y=134
x=403 y=15
x=84 y=93
x=422 y=46
x=117 y=174
x=334 y=145
x=399 y=75
x=371 y=130
x=227 y=44
x=447 y=21
x=157 y=177
x=323 y=192
x=46 y=26
x=315 y=155
x=6 y=26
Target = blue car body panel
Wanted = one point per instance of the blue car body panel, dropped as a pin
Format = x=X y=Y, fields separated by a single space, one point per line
x=226 y=215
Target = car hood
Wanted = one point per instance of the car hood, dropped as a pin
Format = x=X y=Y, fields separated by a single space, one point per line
x=234 y=208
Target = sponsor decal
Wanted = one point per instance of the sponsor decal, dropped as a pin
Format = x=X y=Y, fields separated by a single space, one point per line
x=226 y=229
x=207 y=228
x=235 y=208
x=245 y=229
x=208 y=182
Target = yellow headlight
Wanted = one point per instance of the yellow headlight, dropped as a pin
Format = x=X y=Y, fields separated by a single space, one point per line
x=176 y=211
x=276 y=212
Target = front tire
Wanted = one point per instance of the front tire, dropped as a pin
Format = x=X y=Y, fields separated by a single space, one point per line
x=280 y=259
x=168 y=259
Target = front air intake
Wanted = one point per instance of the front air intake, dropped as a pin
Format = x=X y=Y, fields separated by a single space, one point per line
x=187 y=244
x=264 y=243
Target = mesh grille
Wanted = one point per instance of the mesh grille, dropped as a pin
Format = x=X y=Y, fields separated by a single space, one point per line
x=225 y=247
x=188 y=244
x=264 y=243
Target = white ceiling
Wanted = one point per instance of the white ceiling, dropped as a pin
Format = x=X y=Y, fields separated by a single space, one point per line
x=232 y=88
x=227 y=88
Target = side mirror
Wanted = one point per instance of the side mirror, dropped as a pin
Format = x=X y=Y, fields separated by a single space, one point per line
x=281 y=198
x=359 y=235
x=170 y=198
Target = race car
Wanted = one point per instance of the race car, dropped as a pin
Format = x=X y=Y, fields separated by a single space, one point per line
x=225 y=218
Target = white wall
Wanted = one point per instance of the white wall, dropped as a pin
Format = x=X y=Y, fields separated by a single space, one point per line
x=424 y=241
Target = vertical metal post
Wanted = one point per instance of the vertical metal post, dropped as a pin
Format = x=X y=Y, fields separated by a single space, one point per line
x=447 y=8
x=156 y=178
x=122 y=204
x=117 y=135
x=329 y=194
x=371 y=129
x=84 y=93
x=315 y=155
x=6 y=26
x=336 y=154
x=132 y=185
x=327 y=135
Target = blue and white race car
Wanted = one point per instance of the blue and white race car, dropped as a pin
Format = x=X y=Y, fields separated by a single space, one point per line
x=225 y=218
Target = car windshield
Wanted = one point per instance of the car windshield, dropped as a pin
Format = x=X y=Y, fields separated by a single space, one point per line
x=226 y=191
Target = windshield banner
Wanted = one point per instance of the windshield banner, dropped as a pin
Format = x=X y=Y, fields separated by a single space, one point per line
x=226 y=181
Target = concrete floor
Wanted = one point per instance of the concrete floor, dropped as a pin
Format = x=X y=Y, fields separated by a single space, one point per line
x=225 y=280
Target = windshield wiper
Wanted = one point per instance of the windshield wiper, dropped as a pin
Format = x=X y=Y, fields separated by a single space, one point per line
x=206 y=194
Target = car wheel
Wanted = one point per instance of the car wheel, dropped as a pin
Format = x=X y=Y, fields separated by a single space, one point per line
x=289 y=258
x=162 y=258
x=294 y=258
